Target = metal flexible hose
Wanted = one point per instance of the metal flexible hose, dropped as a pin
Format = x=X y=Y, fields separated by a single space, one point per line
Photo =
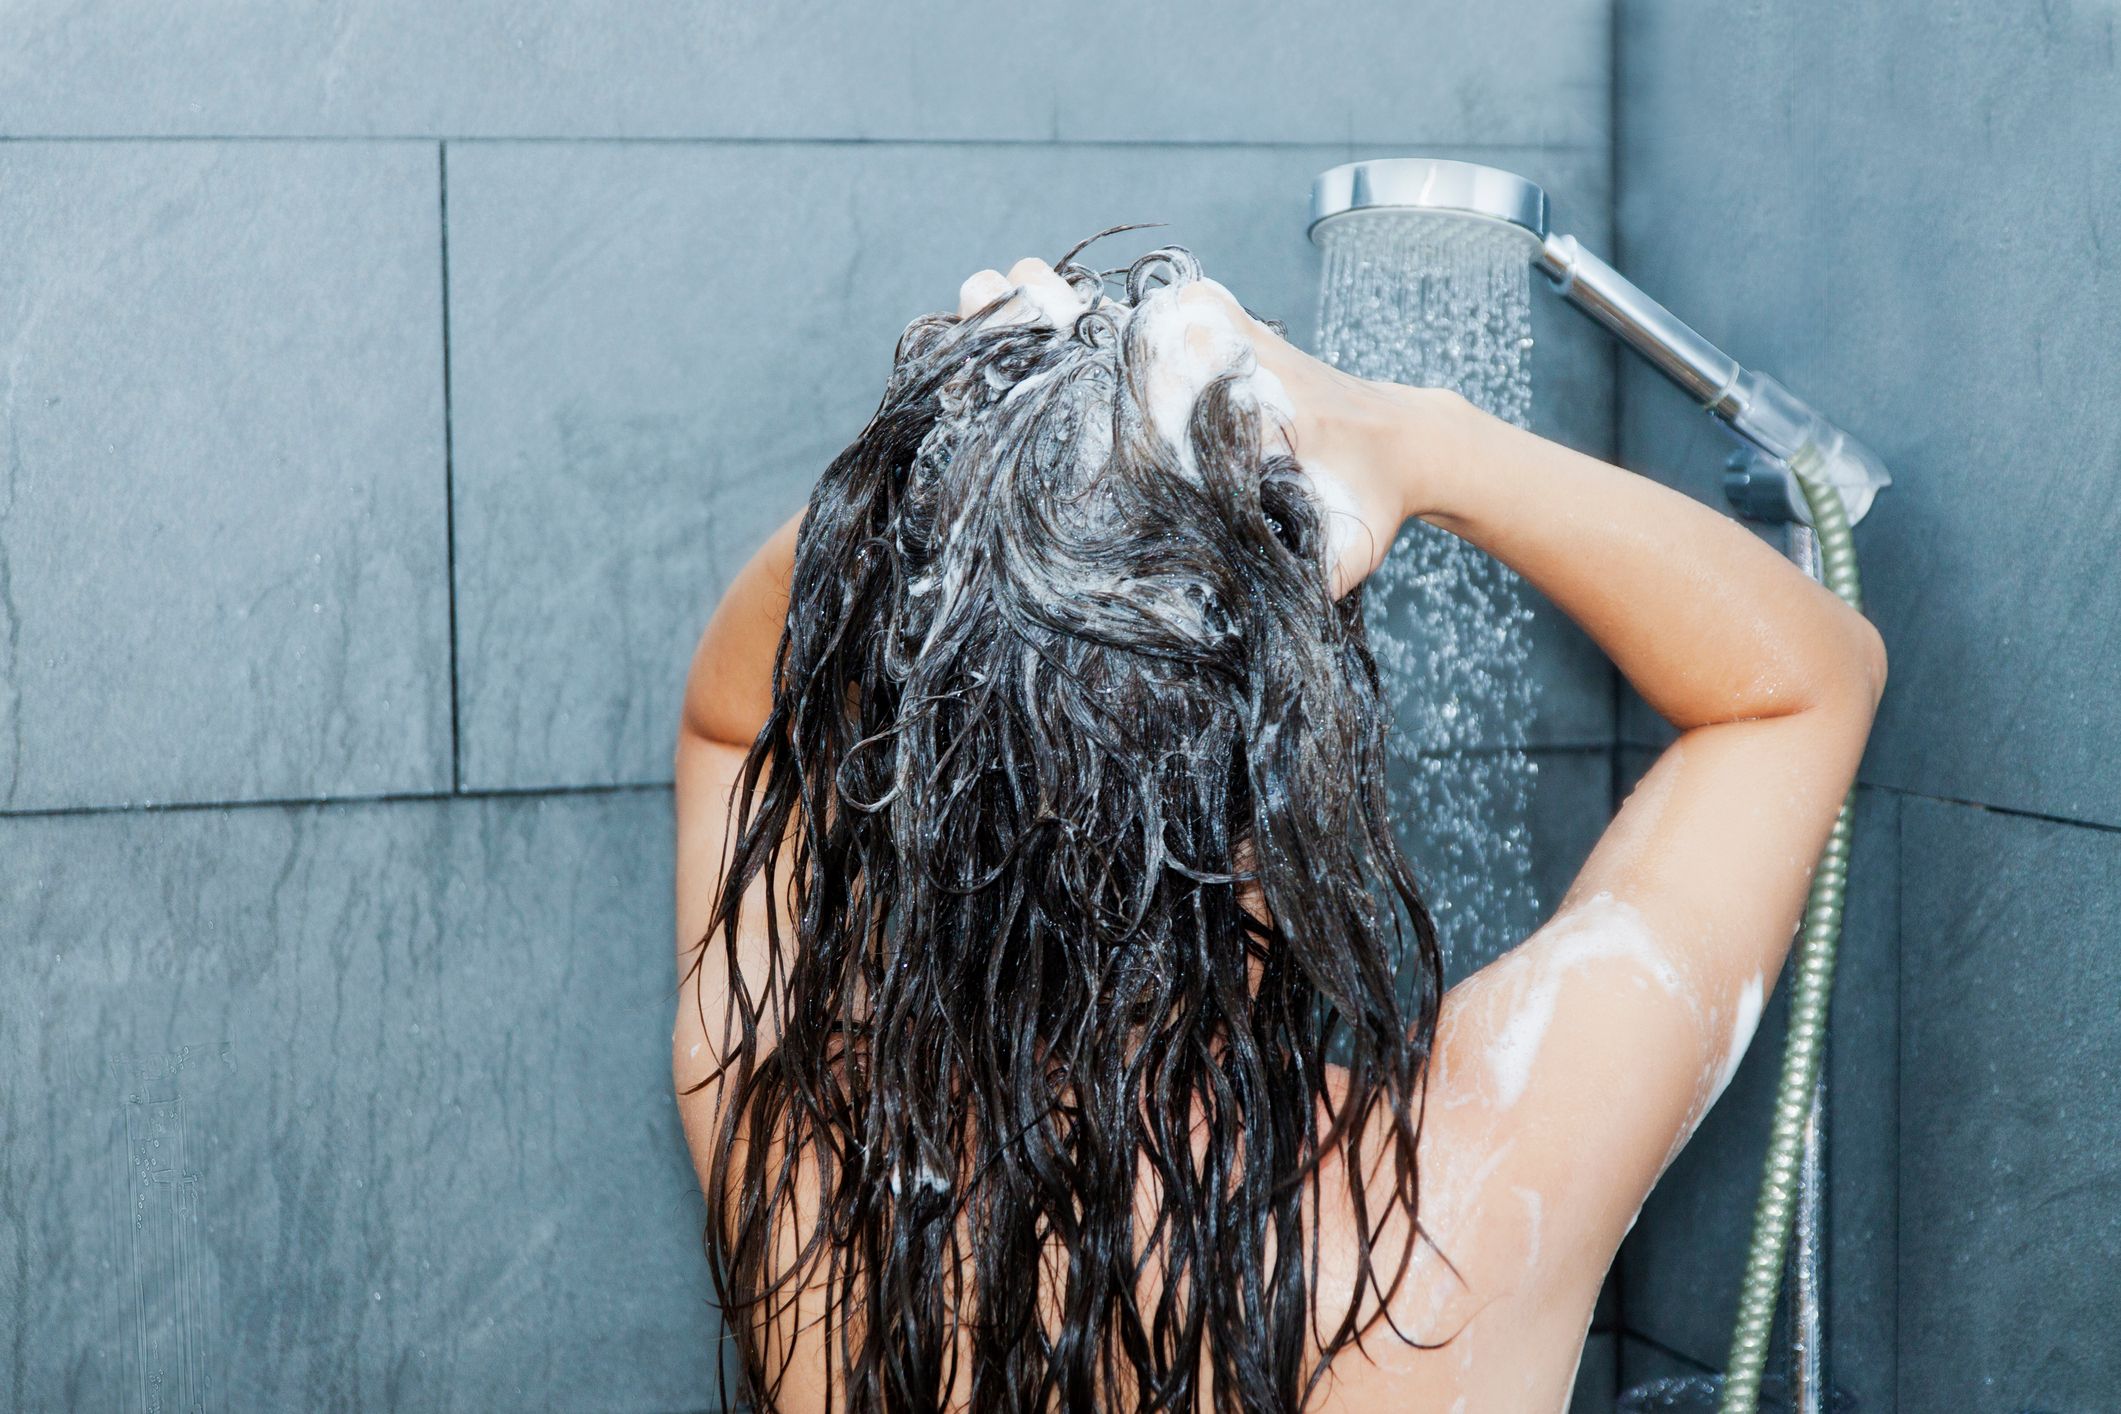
x=1810 y=993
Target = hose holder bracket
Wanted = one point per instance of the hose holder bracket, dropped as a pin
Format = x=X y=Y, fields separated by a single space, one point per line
x=1774 y=429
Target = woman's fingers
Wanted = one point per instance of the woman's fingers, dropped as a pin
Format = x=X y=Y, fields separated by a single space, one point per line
x=979 y=291
x=1043 y=297
x=1049 y=299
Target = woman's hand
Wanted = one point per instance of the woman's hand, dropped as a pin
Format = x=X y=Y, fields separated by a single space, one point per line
x=1045 y=298
x=1358 y=440
x=1350 y=434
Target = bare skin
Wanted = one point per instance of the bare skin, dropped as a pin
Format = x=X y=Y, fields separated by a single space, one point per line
x=1568 y=1073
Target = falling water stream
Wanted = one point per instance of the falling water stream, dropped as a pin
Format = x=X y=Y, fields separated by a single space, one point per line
x=1440 y=301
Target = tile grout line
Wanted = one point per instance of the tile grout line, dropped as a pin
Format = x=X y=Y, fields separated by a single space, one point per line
x=1908 y=793
x=319 y=802
x=449 y=477
x=1700 y=1366
x=795 y=140
x=2011 y=811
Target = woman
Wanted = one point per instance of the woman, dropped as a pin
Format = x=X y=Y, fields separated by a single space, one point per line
x=1071 y=1033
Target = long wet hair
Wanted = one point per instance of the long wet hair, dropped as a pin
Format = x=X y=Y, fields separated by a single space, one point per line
x=1052 y=700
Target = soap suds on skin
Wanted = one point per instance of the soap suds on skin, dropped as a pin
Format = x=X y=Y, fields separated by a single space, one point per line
x=1511 y=1053
x=1601 y=928
x=1455 y=1194
x=1751 y=998
x=1533 y=1212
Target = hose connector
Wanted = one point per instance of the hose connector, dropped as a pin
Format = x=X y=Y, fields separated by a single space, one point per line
x=1779 y=428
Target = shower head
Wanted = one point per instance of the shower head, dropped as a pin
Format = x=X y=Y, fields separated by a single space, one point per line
x=1411 y=184
x=1774 y=423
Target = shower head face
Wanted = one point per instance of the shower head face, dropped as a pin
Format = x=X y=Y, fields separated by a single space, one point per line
x=1434 y=186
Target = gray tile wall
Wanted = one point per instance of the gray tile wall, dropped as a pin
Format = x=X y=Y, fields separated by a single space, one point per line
x=2010 y=1200
x=389 y=392
x=361 y=1105
x=1907 y=213
x=225 y=568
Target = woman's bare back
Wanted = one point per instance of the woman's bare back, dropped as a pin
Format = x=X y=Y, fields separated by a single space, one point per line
x=1539 y=1136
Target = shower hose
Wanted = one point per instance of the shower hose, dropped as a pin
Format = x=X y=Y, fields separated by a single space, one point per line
x=1818 y=938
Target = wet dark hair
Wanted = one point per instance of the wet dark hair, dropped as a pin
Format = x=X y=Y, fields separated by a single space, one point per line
x=1046 y=700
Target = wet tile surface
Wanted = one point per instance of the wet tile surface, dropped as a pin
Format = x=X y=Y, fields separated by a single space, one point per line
x=2010 y=1204
x=223 y=555
x=359 y=1106
x=1648 y=1371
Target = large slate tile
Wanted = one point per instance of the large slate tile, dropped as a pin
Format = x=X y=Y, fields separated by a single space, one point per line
x=1995 y=572
x=2010 y=1200
x=1705 y=155
x=223 y=561
x=1775 y=214
x=1681 y=1265
x=1516 y=72
x=1675 y=99
x=357 y=1106
x=656 y=348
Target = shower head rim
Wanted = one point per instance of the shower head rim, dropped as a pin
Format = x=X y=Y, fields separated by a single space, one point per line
x=1429 y=184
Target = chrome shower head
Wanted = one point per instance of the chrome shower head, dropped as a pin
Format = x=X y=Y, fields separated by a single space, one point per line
x=1775 y=425
x=1414 y=184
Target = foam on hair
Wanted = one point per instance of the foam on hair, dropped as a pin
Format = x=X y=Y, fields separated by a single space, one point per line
x=1060 y=690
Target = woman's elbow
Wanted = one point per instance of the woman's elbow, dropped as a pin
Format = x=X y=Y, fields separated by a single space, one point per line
x=1846 y=677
